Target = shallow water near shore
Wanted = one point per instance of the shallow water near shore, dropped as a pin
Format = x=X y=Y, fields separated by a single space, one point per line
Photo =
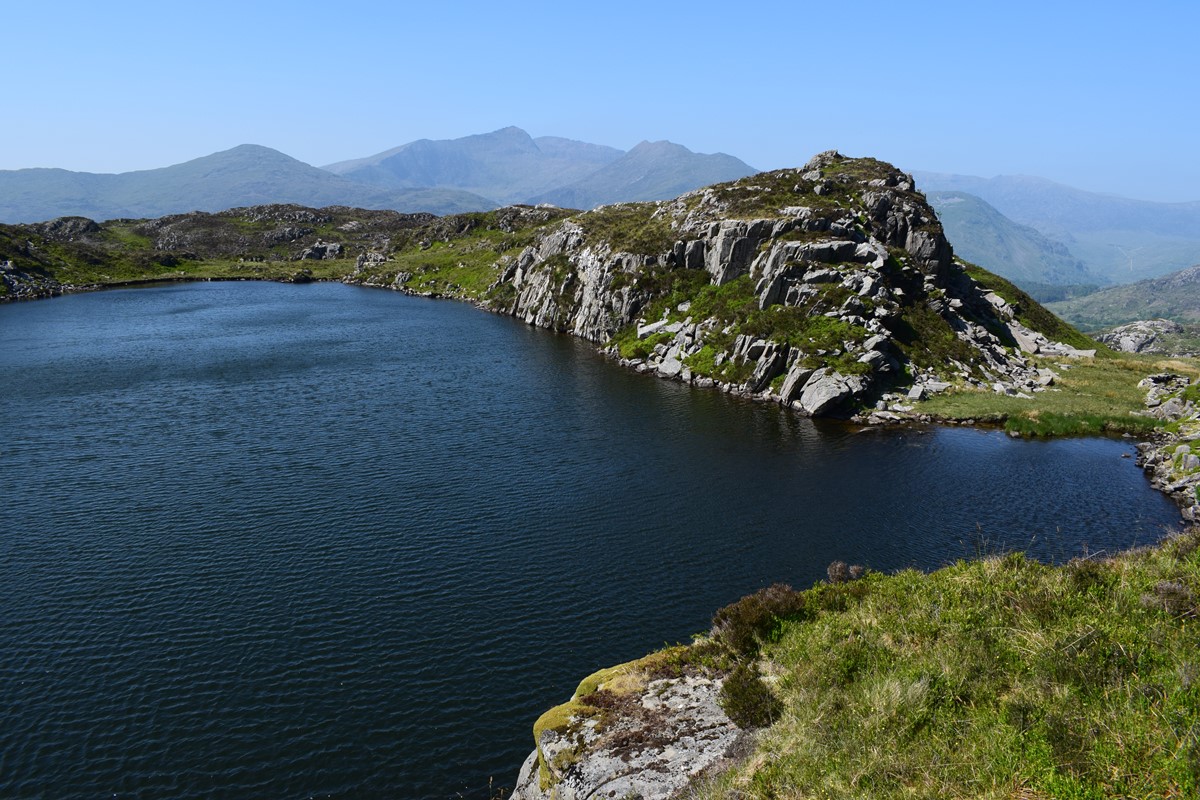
x=263 y=540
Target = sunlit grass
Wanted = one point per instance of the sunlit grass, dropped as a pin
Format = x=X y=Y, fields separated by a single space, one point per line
x=1089 y=396
x=997 y=678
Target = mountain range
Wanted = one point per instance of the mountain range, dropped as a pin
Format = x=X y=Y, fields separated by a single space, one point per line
x=984 y=236
x=1056 y=241
x=474 y=173
x=1118 y=239
x=1175 y=297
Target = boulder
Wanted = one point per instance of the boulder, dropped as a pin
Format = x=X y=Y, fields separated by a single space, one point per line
x=824 y=392
x=670 y=367
x=797 y=376
x=665 y=734
x=321 y=251
x=771 y=363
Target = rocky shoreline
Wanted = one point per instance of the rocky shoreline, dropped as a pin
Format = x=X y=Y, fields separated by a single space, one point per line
x=1171 y=458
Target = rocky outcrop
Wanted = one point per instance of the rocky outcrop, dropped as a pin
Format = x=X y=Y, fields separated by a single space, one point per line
x=1143 y=336
x=1172 y=460
x=321 y=251
x=824 y=288
x=19 y=284
x=629 y=733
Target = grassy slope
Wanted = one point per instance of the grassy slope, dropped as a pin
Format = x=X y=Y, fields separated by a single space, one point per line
x=999 y=678
x=1091 y=396
x=458 y=256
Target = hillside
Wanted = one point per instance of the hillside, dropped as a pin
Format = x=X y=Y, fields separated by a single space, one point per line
x=1120 y=239
x=243 y=176
x=830 y=289
x=983 y=235
x=1174 y=297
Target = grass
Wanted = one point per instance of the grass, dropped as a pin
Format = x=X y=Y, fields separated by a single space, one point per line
x=629 y=228
x=768 y=193
x=998 y=678
x=1094 y=396
x=463 y=268
x=1032 y=314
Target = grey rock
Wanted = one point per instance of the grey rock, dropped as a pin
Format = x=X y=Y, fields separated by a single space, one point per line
x=878 y=342
x=673 y=731
x=771 y=363
x=824 y=391
x=321 y=251
x=670 y=367
x=650 y=329
x=1143 y=336
x=797 y=376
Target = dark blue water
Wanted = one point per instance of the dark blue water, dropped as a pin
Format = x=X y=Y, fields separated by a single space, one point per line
x=279 y=541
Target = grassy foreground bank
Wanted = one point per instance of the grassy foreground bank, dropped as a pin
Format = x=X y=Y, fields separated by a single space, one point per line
x=997 y=678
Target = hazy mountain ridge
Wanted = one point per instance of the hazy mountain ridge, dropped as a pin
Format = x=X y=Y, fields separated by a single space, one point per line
x=507 y=166
x=472 y=173
x=510 y=166
x=984 y=236
x=1175 y=297
x=242 y=176
x=650 y=171
x=1118 y=238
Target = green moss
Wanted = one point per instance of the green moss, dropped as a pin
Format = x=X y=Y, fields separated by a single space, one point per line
x=928 y=341
x=630 y=346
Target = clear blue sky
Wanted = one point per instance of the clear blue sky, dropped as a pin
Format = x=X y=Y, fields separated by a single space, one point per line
x=1104 y=96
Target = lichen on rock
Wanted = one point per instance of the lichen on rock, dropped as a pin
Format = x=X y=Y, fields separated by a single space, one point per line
x=642 y=729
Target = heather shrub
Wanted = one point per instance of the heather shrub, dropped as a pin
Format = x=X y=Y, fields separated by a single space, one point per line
x=742 y=626
x=748 y=700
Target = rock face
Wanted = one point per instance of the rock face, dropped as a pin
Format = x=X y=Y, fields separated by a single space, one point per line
x=1172 y=461
x=1143 y=336
x=320 y=251
x=627 y=734
x=821 y=288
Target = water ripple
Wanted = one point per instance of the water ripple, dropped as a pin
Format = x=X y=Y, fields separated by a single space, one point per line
x=266 y=540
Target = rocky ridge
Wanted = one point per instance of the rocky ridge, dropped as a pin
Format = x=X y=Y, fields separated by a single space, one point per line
x=1162 y=336
x=823 y=288
x=1141 y=336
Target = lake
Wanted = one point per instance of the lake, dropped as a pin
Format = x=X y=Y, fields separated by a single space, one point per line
x=262 y=540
